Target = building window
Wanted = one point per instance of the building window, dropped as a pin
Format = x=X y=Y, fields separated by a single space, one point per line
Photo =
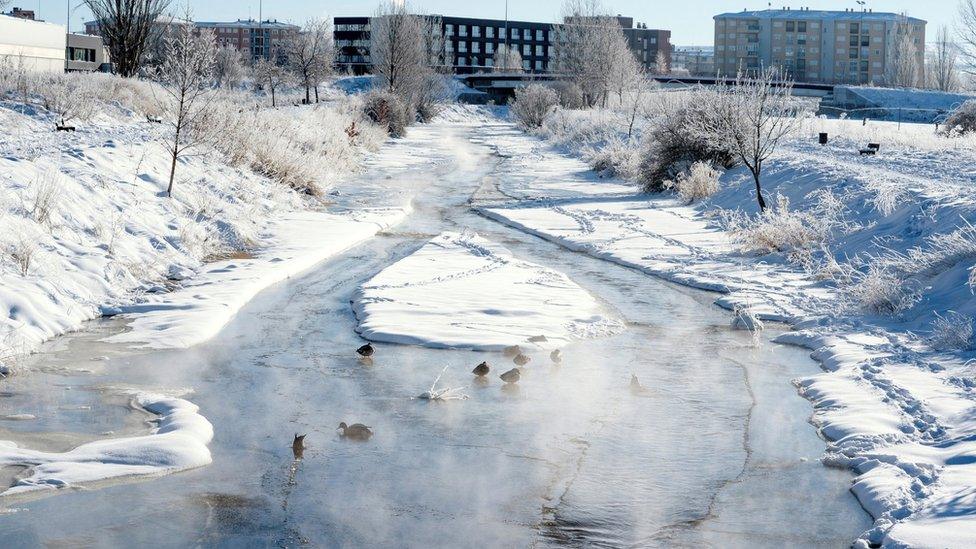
x=463 y=47
x=540 y=35
x=475 y=47
x=490 y=47
x=790 y=26
x=490 y=32
x=450 y=29
x=526 y=64
x=462 y=61
x=526 y=50
x=462 y=30
x=489 y=62
x=476 y=31
x=538 y=51
x=538 y=65
x=526 y=34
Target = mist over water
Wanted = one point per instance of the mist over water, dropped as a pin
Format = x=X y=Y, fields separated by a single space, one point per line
x=714 y=451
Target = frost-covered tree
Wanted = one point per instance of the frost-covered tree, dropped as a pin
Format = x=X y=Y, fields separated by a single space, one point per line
x=404 y=52
x=966 y=34
x=941 y=67
x=661 y=64
x=69 y=96
x=229 y=67
x=507 y=59
x=589 y=45
x=310 y=55
x=127 y=27
x=270 y=75
x=903 y=69
x=533 y=104
x=186 y=73
x=749 y=120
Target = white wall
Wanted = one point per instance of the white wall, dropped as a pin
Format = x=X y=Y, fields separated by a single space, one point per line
x=35 y=45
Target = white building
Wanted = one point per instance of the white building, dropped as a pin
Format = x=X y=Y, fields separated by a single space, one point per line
x=34 y=45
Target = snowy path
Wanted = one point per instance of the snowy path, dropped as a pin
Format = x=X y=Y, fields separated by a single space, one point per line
x=712 y=450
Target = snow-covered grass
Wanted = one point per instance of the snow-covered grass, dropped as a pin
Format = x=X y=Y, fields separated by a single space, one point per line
x=85 y=225
x=871 y=259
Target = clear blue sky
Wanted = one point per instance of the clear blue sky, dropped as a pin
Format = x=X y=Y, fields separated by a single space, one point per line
x=690 y=21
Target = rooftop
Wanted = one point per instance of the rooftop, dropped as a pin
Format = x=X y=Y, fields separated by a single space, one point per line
x=816 y=14
x=246 y=24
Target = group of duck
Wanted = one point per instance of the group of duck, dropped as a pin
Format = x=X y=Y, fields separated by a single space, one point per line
x=360 y=432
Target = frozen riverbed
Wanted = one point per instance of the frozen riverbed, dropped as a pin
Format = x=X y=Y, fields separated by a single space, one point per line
x=715 y=449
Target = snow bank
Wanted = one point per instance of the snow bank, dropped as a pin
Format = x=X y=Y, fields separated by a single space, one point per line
x=178 y=443
x=206 y=303
x=892 y=407
x=462 y=291
x=86 y=227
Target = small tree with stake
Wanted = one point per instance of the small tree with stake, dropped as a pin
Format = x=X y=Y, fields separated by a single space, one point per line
x=749 y=119
x=186 y=74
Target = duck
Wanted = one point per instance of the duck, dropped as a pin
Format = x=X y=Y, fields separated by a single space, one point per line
x=366 y=350
x=298 y=446
x=512 y=351
x=356 y=431
x=511 y=376
x=481 y=370
x=521 y=360
x=556 y=356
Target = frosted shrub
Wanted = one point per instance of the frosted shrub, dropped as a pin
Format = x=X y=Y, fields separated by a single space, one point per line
x=45 y=191
x=69 y=96
x=698 y=183
x=389 y=111
x=618 y=157
x=962 y=120
x=879 y=290
x=570 y=94
x=21 y=250
x=953 y=332
x=533 y=104
x=780 y=229
x=671 y=143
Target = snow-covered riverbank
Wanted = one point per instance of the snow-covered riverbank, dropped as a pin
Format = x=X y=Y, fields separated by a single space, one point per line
x=894 y=408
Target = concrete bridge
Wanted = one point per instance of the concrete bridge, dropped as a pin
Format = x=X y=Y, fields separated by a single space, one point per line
x=500 y=87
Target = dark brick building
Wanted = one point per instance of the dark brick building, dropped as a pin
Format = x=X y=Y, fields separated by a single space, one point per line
x=470 y=44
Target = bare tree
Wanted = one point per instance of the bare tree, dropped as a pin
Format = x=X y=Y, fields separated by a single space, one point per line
x=405 y=49
x=903 y=69
x=941 y=68
x=749 y=119
x=186 y=74
x=310 y=54
x=661 y=65
x=507 y=59
x=127 y=26
x=588 y=45
x=229 y=67
x=966 y=33
x=270 y=75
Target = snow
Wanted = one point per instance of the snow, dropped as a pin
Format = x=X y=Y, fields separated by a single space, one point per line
x=207 y=302
x=892 y=408
x=463 y=291
x=88 y=211
x=179 y=442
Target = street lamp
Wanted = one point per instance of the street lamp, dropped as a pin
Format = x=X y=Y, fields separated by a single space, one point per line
x=67 y=45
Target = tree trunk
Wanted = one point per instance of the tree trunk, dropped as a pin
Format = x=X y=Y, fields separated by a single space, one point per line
x=308 y=97
x=172 y=172
x=316 y=93
x=759 y=196
x=273 y=98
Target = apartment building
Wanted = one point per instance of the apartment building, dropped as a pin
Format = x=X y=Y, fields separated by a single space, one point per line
x=832 y=47
x=470 y=44
x=257 y=39
x=693 y=61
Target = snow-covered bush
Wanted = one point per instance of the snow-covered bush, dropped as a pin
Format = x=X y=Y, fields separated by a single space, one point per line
x=45 y=192
x=952 y=332
x=784 y=230
x=570 y=94
x=69 y=96
x=615 y=158
x=962 y=120
x=533 y=104
x=879 y=290
x=672 y=145
x=389 y=111
x=21 y=249
x=698 y=183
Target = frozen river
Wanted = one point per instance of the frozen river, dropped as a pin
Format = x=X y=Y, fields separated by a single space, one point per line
x=716 y=451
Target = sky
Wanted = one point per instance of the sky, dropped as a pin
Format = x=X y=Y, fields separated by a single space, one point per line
x=690 y=21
